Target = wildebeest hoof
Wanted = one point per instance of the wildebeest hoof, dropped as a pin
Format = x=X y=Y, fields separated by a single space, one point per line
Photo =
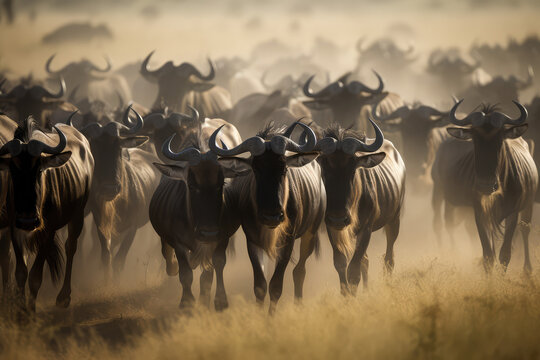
x=63 y=301
x=221 y=304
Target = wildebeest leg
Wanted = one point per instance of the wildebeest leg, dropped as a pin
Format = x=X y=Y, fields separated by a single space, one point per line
x=168 y=254
x=276 y=282
x=5 y=262
x=488 y=253
x=340 y=262
x=206 y=279
x=21 y=271
x=364 y=267
x=35 y=278
x=74 y=230
x=506 y=248
x=185 y=275
x=436 y=203
x=307 y=245
x=450 y=221
x=392 y=232
x=106 y=256
x=354 y=269
x=525 y=227
x=219 y=259
x=121 y=254
x=259 y=281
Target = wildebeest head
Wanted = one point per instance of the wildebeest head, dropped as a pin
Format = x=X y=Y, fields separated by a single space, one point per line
x=345 y=99
x=176 y=81
x=160 y=125
x=269 y=164
x=26 y=164
x=487 y=129
x=78 y=73
x=107 y=143
x=342 y=153
x=414 y=122
x=204 y=176
x=32 y=101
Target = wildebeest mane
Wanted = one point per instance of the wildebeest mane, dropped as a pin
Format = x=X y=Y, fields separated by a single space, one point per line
x=339 y=133
x=269 y=130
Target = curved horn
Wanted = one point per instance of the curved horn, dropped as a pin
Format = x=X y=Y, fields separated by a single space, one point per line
x=106 y=69
x=48 y=66
x=36 y=147
x=208 y=77
x=41 y=92
x=475 y=117
x=12 y=147
x=352 y=145
x=69 y=121
x=130 y=127
x=357 y=87
x=499 y=119
x=331 y=89
x=400 y=112
x=144 y=68
x=254 y=145
x=194 y=113
x=191 y=155
x=282 y=143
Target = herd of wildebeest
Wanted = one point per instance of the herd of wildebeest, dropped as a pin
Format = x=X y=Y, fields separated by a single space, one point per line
x=280 y=163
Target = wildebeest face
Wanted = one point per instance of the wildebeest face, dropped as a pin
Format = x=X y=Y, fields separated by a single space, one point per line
x=205 y=182
x=339 y=176
x=487 y=141
x=26 y=174
x=271 y=183
x=107 y=151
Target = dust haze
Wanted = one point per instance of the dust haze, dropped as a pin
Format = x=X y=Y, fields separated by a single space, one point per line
x=438 y=303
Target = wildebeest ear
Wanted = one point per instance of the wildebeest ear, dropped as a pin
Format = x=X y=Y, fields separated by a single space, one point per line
x=371 y=160
x=55 y=160
x=299 y=160
x=515 y=131
x=133 y=141
x=201 y=87
x=233 y=167
x=4 y=163
x=178 y=171
x=316 y=104
x=459 y=133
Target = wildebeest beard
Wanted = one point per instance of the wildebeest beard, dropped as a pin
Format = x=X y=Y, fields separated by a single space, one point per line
x=202 y=255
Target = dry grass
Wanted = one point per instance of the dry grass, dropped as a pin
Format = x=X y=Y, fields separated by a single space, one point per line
x=431 y=311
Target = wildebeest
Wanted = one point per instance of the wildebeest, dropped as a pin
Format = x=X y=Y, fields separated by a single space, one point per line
x=85 y=80
x=365 y=192
x=414 y=123
x=453 y=70
x=24 y=100
x=7 y=129
x=349 y=101
x=500 y=90
x=493 y=172
x=194 y=211
x=45 y=194
x=183 y=85
x=123 y=183
x=282 y=198
x=253 y=111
